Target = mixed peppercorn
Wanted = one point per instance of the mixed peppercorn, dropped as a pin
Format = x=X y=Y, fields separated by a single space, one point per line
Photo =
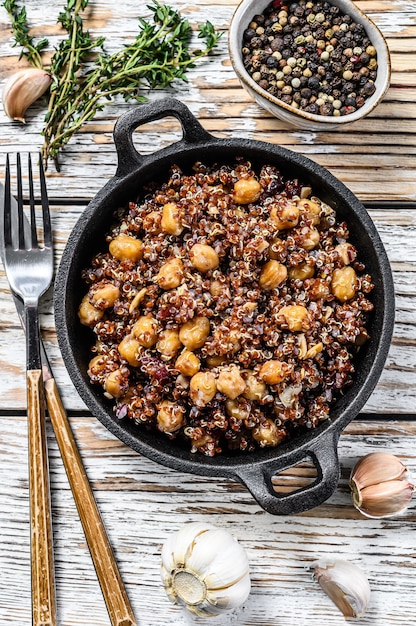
x=311 y=56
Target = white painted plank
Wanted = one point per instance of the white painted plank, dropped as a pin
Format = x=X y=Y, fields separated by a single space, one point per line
x=142 y=502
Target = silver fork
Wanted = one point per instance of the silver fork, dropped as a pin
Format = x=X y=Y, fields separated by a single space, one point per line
x=29 y=270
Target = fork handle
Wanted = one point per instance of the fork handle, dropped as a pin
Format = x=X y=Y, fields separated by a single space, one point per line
x=114 y=592
x=43 y=582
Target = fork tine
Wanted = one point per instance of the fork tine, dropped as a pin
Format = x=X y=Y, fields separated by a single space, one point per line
x=47 y=229
x=7 y=222
x=20 y=227
x=32 y=205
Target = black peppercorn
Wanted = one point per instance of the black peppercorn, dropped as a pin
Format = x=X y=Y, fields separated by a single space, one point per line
x=313 y=83
x=277 y=44
x=313 y=108
x=326 y=109
x=306 y=93
x=272 y=62
x=350 y=102
x=368 y=89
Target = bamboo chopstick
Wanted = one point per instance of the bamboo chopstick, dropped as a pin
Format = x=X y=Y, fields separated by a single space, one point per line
x=114 y=592
x=42 y=567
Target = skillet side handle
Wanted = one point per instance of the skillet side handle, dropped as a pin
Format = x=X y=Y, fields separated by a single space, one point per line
x=128 y=157
x=324 y=454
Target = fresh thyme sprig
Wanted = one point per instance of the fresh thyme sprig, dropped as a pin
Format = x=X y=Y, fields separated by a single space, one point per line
x=30 y=49
x=160 y=54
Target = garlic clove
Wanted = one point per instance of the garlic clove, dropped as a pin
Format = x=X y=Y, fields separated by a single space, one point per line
x=377 y=467
x=205 y=569
x=384 y=500
x=22 y=89
x=227 y=569
x=381 y=485
x=176 y=548
x=222 y=566
x=233 y=596
x=346 y=584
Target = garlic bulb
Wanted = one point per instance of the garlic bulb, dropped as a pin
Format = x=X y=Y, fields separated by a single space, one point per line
x=381 y=485
x=22 y=89
x=205 y=569
x=346 y=585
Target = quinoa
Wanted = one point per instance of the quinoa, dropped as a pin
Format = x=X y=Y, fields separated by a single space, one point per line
x=227 y=308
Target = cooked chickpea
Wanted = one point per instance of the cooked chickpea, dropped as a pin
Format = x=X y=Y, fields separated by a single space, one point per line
x=311 y=209
x=273 y=372
x=246 y=190
x=202 y=388
x=318 y=289
x=194 y=333
x=188 y=363
x=88 y=314
x=267 y=434
x=116 y=384
x=310 y=239
x=347 y=252
x=96 y=365
x=170 y=274
x=238 y=409
x=284 y=216
x=216 y=288
x=344 y=283
x=170 y=416
x=171 y=219
x=105 y=296
x=169 y=342
x=203 y=441
x=234 y=338
x=272 y=274
x=152 y=222
x=145 y=330
x=130 y=349
x=256 y=388
x=215 y=360
x=126 y=248
x=230 y=382
x=295 y=316
x=203 y=257
x=301 y=271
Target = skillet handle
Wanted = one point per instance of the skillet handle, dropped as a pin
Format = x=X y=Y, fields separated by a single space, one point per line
x=324 y=454
x=128 y=157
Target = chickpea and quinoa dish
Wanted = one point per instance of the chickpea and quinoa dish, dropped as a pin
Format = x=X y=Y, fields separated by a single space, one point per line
x=227 y=309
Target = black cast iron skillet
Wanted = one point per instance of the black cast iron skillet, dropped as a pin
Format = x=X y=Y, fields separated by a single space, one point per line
x=254 y=470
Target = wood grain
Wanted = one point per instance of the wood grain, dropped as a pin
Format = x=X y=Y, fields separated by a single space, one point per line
x=41 y=542
x=115 y=595
x=373 y=152
x=140 y=502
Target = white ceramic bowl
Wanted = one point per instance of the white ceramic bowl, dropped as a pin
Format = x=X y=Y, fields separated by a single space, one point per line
x=242 y=17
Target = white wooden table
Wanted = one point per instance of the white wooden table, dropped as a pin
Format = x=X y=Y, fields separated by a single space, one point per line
x=142 y=502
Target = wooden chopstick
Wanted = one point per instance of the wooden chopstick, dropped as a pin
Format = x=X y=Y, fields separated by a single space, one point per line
x=42 y=567
x=114 y=592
